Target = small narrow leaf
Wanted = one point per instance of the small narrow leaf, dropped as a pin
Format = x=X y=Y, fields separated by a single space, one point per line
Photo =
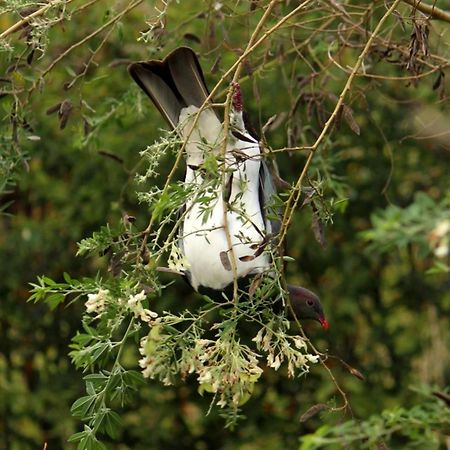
x=356 y=373
x=225 y=261
x=311 y=412
x=192 y=37
x=67 y=278
x=112 y=424
x=351 y=122
x=64 y=113
x=317 y=229
x=53 y=108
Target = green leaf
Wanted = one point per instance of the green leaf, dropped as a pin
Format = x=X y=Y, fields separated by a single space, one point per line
x=112 y=424
x=90 y=442
x=95 y=377
x=82 y=338
x=54 y=300
x=48 y=281
x=438 y=268
x=100 y=349
x=67 y=278
x=133 y=378
x=78 y=436
x=90 y=388
x=82 y=406
x=70 y=71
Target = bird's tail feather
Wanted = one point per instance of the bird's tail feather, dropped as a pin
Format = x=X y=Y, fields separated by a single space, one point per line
x=173 y=83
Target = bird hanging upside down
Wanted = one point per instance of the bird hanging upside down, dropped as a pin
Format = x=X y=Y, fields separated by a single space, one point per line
x=228 y=220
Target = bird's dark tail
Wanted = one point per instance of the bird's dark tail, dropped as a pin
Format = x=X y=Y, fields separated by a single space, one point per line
x=173 y=83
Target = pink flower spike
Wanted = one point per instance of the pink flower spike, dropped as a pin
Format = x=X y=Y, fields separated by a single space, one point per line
x=237 y=97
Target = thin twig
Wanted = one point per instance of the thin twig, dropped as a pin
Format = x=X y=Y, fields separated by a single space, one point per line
x=88 y=63
x=110 y=22
x=296 y=191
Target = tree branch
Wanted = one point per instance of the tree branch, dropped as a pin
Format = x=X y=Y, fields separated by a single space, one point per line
x=433 y=11
x=31 y=16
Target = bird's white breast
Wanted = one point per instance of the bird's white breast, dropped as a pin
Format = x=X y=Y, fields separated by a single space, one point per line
x=204 y=232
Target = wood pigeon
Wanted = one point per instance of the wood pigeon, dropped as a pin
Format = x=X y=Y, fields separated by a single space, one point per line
x=234 y=200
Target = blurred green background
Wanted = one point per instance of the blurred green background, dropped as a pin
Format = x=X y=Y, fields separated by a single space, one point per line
x=383 y=284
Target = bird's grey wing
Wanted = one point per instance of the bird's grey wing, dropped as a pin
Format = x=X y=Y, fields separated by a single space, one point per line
x=267 y=192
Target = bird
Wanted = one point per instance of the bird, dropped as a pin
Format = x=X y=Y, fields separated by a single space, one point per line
x=228 y=218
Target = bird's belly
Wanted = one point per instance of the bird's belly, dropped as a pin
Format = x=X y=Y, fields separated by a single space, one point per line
x=206 y=249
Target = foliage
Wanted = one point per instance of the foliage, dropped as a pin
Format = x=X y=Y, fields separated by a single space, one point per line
x=425 y=223
x=350 y=100
x=417 y=425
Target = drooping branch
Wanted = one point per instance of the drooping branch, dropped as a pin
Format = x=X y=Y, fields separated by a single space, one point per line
x=296 y=191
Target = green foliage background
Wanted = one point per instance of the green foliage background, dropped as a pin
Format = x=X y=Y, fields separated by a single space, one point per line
x=385 y=293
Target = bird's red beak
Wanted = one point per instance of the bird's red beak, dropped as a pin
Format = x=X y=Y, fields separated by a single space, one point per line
x=324 y=323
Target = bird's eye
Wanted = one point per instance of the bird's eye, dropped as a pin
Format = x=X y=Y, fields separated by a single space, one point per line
x=309 y=302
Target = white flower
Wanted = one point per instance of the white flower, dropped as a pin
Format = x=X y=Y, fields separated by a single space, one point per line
x=439 y=239
x=276 y=363
x=442 y=229
x=204 y=377
x=146 y=315
x=441 y=251
x=136 y=299
x=96 y=302
x=266 y=341
x=312 y=358
x=135 y=306
x=259 y=337
x=222 y=402
x=299 y=342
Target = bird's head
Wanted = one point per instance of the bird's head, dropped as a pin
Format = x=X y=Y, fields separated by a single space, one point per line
x=306 y=305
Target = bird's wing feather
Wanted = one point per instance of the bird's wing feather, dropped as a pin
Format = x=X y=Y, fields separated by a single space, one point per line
x=187 y=76
x=155 y=80
x=267 y=191
x=172 y=84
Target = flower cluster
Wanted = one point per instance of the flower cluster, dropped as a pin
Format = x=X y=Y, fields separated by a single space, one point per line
x=96 y=302
x=158 y=350
x=134 y=304
x=223 y=366
x=227 y=368
x=280 y=346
